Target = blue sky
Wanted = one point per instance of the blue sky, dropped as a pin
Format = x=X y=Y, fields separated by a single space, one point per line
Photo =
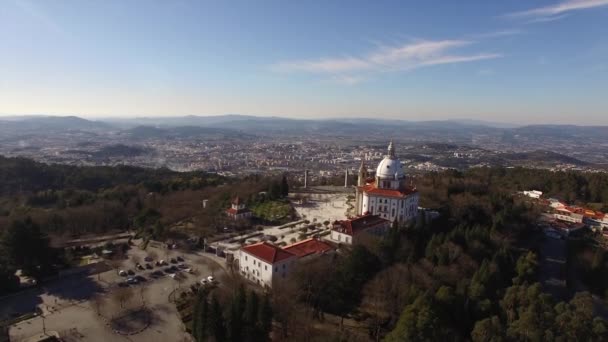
x=508 y=61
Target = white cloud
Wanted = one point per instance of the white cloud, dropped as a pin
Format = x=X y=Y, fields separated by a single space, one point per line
x=396 y=58
x=554 y=11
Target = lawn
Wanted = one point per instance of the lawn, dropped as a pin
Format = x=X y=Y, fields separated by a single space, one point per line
x=272 y=210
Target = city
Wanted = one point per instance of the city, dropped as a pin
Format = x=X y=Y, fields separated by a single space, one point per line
x=242 y=171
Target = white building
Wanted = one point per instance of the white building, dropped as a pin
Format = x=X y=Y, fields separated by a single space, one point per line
x=349 y=231
x=387 y=194
x=238 y=210
x=533 y=194
x=566 y=215
x=264 y=263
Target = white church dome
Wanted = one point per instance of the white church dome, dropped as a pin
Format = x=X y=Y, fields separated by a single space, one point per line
x=390 y=166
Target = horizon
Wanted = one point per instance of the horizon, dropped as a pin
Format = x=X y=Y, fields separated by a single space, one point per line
x=516 y=63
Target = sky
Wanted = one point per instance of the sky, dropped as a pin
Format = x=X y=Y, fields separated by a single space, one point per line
x=520 y=61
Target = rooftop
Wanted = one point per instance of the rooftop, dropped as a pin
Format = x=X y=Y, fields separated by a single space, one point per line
x=308 y=247
x=355 y=225
x=267 y=252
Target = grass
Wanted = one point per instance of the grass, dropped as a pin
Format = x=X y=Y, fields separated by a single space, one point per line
x=272 y=210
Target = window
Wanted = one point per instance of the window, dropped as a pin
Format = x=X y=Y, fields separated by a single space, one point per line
x=245 y=258
x=283 y=266
x=276 y=269
x=393 y=214
x=265 y=267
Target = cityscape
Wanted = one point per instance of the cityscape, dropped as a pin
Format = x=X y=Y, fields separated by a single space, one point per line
x=246 y=171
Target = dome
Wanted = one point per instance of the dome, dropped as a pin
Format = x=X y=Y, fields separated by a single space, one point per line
x=389 y=168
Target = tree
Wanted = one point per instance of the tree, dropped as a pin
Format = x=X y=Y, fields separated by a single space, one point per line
x=526 y=268
x=200 y=317
x=251 y=316
x=488 y=330
x=24 y=246
x=217 y=325
x=419 y=322
x=265 y=318
x=284 y=187
x=235 y=322
x=122 y=295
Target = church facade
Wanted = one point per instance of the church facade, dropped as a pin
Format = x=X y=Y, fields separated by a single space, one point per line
x=387 y=194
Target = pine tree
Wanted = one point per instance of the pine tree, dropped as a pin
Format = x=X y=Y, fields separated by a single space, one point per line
x=265 y=319
x=217 y=326
x=236 y=315
x=251 y=316
x=200 y=317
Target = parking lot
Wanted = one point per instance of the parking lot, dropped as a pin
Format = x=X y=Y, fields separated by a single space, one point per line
x=81 y=307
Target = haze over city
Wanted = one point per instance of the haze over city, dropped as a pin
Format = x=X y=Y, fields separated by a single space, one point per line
x=303 y=171
x=524 y=62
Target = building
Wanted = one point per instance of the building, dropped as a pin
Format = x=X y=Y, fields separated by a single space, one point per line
x=350 y=230
x=564 y=214
x=533 y=194
x=309 y=248
x=387 y=194
x=238 y=210
x=264 y=263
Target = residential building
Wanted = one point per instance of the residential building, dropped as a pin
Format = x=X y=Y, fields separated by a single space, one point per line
x=264 y=263
x=350 y=230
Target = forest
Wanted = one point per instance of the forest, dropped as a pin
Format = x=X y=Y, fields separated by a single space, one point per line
x=469 y=275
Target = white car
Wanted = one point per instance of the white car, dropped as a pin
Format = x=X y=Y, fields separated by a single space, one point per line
x=172 y=275
x=204 y=281
x=210 y=279
x=122 y=273
x=189 y=270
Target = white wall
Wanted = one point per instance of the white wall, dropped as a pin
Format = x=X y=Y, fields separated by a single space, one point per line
x=261 y=272
x=402 y=209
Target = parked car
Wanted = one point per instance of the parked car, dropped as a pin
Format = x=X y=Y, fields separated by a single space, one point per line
x=173 y=261
x=172 y=275
x=180 y=259
x=204 y=281
x=139 y=267
x=182 y=266
x=131 y=280
x=210 y=279
x=140 y=278
x=189 y=270
x=130 y=272
x=122 y=273
x=168 y=270
x=162 y=262
x=147 y=259
x=148 y=266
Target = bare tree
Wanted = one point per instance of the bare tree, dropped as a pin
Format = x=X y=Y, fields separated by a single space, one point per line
x=122 y=295
x=97 y=302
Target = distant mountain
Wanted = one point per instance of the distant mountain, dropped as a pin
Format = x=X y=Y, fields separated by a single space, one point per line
x=542 y=157
x=49 y=124
x=183 y=132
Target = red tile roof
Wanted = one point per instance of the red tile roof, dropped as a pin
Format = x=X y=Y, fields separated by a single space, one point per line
x=373 y=190
x=358 y=224
x=308 y=247
x=267 y=252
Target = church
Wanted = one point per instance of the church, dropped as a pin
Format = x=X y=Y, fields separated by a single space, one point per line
x=387 y=194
